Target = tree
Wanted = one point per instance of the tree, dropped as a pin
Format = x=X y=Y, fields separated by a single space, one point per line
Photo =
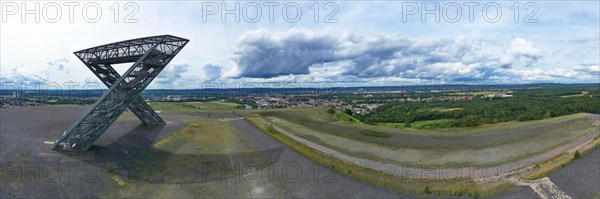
x=331 y=110
x=348 y=111
x=470 y=121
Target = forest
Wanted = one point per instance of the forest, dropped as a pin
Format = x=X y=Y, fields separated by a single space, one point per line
x=542 y=104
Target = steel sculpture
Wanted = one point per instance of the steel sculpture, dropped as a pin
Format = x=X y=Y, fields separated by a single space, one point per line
x=150 y=56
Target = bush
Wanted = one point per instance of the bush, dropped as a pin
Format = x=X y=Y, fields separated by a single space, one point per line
x=470 y=121
x=576 y=155
x=426 y=190
x=348 y=111
x=331 y=110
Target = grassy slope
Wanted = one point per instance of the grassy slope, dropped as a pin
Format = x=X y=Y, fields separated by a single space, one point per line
x=508 y=142
x=200 y=136
x=456 y=187
x=399 y=183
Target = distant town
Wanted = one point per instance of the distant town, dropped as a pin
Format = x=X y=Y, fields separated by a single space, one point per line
x=358 y=100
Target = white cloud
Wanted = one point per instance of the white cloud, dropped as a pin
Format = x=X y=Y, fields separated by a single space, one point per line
x=520 y=48
x=365 y=45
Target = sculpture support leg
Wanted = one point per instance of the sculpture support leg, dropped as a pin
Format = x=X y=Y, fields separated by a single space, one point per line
x=81 y=135
x=108 y=75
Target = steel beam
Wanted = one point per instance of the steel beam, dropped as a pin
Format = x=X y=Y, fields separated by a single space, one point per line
x=108 y=75
x=151 y=55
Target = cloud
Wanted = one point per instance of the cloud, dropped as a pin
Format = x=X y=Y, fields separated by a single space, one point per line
x=171 y=74
x=58 y=64
x=392 y=55
x=19 y=77
x=212 y=71
x=591 y=69
x=379 y=58
x=520 y=48
x=264 y=54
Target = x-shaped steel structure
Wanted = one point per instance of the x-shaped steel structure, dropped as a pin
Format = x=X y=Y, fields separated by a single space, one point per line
x=150 y=56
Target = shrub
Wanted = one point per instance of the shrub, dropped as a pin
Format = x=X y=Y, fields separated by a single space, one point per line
x=331 y=110
x=576 y=155
x=348 y=111
x=426 y=190
x=470 y=121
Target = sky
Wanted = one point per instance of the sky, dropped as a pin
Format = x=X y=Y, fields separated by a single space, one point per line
x=351 y=43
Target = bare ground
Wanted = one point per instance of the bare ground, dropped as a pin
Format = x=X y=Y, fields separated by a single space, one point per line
x=123 y=162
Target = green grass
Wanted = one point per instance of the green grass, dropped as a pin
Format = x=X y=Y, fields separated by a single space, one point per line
x=575 y=95
x=214 y=106
x=200 y=136
x=168 y=106
x=446 y=109
x=369 y=132
x=440 y=124
x=433 y=124
x=211 y=105
x=392 y=125
x=486 y=93
x=339 y=115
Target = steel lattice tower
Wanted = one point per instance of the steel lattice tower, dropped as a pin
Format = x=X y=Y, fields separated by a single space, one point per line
x=150 y=56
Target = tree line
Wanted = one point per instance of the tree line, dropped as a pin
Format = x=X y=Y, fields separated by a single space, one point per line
x=482 y=111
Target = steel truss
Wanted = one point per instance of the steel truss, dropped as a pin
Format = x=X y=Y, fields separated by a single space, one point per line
x=151 y=55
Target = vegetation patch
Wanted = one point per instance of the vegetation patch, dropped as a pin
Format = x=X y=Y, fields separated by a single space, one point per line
x=484 y=111
x=200 y=136
x=446 y=109
x=369 y=132
x=211 y=105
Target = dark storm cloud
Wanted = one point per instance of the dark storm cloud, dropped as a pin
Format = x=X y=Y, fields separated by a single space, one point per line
x=263 y=54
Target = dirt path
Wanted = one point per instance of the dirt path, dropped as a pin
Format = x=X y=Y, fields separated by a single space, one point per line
x=493 y=173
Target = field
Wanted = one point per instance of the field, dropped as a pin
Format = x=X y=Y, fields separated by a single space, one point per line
x=484 y=146
x=211 y=105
